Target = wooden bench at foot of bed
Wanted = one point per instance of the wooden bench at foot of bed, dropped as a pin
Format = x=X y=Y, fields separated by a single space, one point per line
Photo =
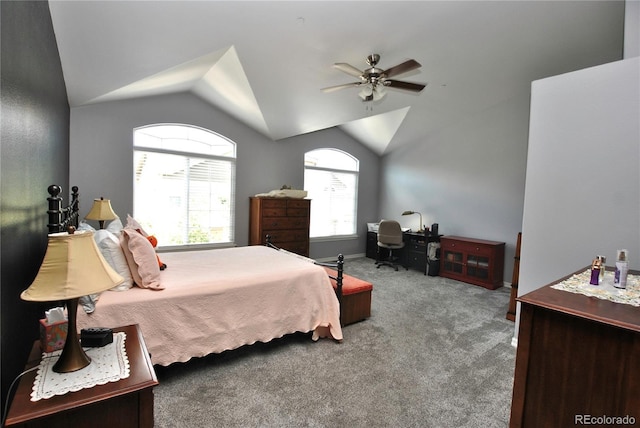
x=354 y=295
x=356 y=298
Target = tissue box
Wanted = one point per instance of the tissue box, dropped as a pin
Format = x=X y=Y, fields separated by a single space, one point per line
x=52 y=336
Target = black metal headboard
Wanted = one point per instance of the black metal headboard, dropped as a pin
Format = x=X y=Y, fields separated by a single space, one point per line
x=61 y=217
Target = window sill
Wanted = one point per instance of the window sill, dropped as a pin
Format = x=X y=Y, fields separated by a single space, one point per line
x=333 y=238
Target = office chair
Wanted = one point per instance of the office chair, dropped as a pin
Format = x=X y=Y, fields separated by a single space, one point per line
x=389 y=238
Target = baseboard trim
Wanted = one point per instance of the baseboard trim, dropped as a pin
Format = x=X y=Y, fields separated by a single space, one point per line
x=514 y=342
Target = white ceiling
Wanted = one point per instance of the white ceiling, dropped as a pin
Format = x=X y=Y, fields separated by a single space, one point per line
x=265 y=62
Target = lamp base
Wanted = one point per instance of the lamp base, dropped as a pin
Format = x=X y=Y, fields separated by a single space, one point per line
x=73 y=357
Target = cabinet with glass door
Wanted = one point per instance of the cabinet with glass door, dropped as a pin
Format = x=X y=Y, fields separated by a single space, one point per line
x=475 y=261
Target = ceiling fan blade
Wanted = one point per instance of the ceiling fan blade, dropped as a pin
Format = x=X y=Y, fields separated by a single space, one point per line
x=408 y=86
x=348 y=68
x=346 y=85
x=402 y=68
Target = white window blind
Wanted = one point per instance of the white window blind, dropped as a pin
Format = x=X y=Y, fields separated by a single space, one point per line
x=331 y=180
x=185 y=198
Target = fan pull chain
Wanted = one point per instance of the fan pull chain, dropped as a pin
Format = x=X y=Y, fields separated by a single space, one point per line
x=368 y=107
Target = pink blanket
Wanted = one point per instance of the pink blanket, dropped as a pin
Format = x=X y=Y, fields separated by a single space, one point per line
x=215 y=300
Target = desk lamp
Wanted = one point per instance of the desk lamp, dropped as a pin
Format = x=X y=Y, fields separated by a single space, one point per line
x=72 y=267
x=420 y=229
x=101 y=210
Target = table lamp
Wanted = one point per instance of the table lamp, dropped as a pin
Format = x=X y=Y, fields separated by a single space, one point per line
x=420 y=229
x=101 y=210
x=72 y=267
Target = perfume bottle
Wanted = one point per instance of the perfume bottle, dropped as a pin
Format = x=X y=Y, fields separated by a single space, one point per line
x=622 y=269
x=595 y=272
x=603 y=263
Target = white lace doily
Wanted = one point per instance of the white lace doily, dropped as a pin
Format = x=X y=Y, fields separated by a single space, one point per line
x=579 y=283
x=108 y=364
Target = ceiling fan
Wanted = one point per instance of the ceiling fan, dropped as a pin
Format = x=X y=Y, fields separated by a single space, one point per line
x=374 y=80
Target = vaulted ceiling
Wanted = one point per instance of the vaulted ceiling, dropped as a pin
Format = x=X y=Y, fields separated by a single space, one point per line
x=265 y=62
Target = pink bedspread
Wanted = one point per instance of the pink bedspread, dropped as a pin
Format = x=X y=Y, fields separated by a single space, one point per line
x=216 y=300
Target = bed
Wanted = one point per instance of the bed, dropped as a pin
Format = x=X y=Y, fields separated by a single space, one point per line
x=210 y=301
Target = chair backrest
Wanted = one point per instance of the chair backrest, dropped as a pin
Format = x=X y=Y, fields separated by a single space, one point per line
x=389 y=232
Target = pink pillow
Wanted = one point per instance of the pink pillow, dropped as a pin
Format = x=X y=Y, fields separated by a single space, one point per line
x=142 y=260
x=132 y=223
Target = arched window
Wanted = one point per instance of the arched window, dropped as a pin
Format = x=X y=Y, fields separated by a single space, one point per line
x=184 y=184
x=331 y=179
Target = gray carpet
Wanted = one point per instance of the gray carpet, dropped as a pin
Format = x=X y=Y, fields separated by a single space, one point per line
x=435 y=353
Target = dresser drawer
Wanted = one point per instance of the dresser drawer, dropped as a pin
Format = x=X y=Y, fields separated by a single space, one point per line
x=466 y=247
x=274 y=212
x=278 y=223
x=417 y=247
x=479 y=250
x=297 y=212
x=298 y=204
x=417 y=260
x=274 y=203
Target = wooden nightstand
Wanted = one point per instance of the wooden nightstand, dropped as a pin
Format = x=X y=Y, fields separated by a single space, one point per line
x=126 y=403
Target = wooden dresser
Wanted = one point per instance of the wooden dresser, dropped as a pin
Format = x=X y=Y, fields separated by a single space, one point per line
x=476 y=261
x=578 y=360
x=286 y=220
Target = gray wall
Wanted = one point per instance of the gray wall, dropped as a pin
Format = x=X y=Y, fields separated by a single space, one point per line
x=101 y=160
x=631 y=29
x=469 y=178
x=34 y=153
x=582 y=195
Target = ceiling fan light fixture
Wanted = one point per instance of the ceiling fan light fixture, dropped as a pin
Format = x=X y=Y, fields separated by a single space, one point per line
x=379 y=92
x=366 y=92
x=371 y=92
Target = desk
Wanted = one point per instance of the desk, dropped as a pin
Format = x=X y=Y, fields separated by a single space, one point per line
x=576 y=356
x=414 y=253
x=126 y=403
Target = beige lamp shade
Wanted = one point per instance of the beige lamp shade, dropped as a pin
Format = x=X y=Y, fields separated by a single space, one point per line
x=72 y=267
x=101 y=210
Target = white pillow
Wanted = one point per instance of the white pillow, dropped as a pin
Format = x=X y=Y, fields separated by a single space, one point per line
x=111 y=250
x=89 y=302
x=115 y=226
x=86 y=226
